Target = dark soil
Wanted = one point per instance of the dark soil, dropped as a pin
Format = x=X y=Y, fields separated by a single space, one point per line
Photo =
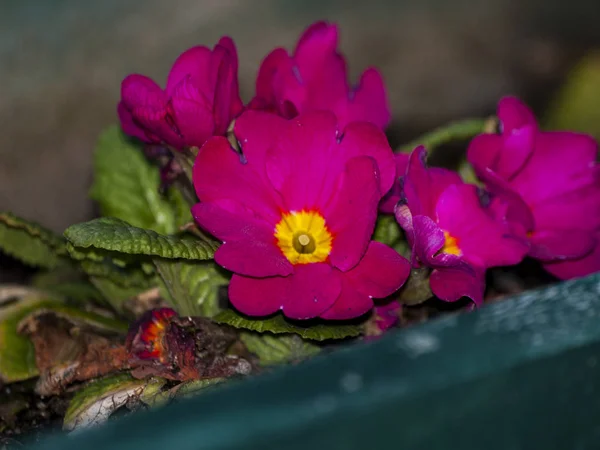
x=25 y=417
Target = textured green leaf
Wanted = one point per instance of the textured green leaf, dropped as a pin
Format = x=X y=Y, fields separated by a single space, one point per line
x=193 y=286
x=116 y=235
x=115 y=294
x=30 y=242
x=313 y=330
x=94 y=404
x=67 y=282
x=127 y=276
x=387 y=230
x=126 y=185
x=278 y=349
x=119 y=283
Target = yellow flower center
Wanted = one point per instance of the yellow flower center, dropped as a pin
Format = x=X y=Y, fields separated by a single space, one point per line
x=303 y=237
x=450 y=245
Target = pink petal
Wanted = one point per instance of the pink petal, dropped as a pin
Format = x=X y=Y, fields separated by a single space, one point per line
x=227 y=102
x=380 y=273
x=320 y=69
x=514 y=114
x=428 y=241
x=349 y=305
x=311 y=290
x=559 y=164
x=159 y=122
x=192 y=113
x=517 y=150
x=253 y=258
x=370 y=102
x=141 y=91
x=401 y=162
x=271 y=65
x=517 y=210
x=362 y=138
x=290 y=91
x=423 y=186
x=236 y=104
x=482 y=240
x=504 y=155
x=248 y=244
x=452 y=283
x=578 y=209
x=256 y=131
x=258 y=296
x=549 y=245
x=320 y=37
x=192 y=64
x=484 y=151
x=575 y=268
x=129 y=126
x=352 y=212
x=220 y=175
x=303 y=164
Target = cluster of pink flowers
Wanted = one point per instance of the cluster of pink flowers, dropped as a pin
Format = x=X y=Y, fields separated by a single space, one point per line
x=296 y=209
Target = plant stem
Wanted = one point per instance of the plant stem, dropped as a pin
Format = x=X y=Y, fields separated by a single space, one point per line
x=454 y=131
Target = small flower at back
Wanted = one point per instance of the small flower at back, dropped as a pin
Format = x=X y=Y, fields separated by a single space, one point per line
x=296 y=215
x=200 y=100
x=450 y=232
x=385 y=316
x=146 y=339
x=162 y=344
x=315 y=77
x=551 y=183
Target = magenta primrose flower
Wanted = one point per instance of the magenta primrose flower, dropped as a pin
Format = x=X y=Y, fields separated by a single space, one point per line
x=200 y=100
x=296 y=213
x=551 y=181
x=315 y=78
x=449 y=231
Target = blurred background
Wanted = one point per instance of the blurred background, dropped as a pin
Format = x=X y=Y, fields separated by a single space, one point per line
x=62 y=61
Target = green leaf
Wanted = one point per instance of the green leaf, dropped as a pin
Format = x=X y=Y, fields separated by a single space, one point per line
x=278 y=349
x=416 y=289
x=118 y=284
x=193 y=286
x=94 y=404
x=30 y=242
x=387 y=230
x=180 y=391
x=17 y=354
x=181 y=209
x=126 y=184
x=116 y=235
x=67 y=283
x=575 y=107
x=114 y=294
x=314 y=330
